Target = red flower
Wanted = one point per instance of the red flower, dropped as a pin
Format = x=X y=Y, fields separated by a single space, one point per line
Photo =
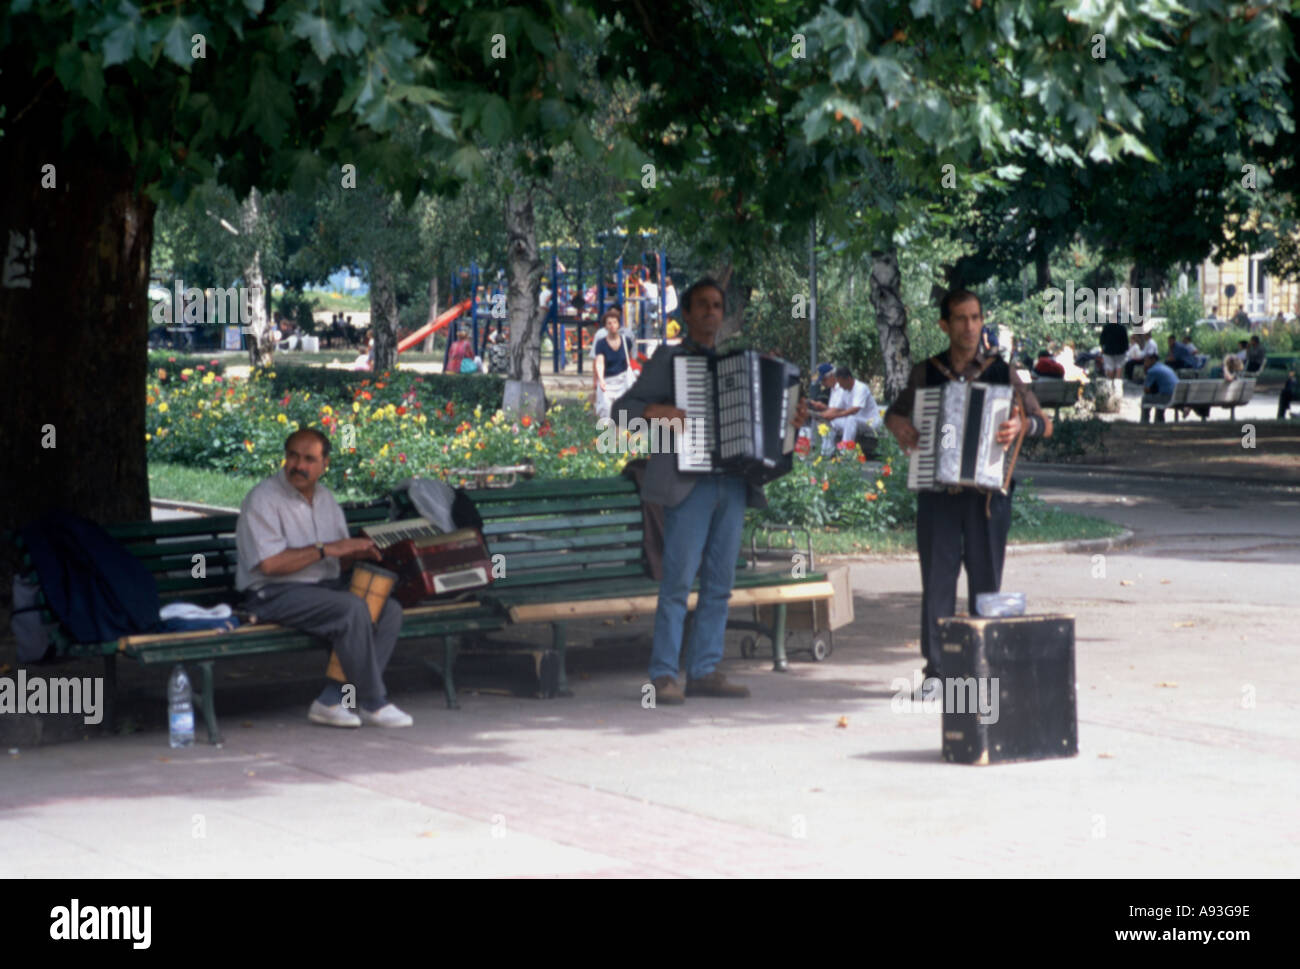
x=802 y=445
x=200 y=367
x=402 y=458
x=862 y=459
x=886 y=471
x=367 y=395
x=401 y=410
x=185 y=376
x=366 y=382
x=525 y=420
x=380 y=386
x=451 y=409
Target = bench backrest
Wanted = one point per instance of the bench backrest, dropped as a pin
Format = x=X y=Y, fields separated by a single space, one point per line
x=560 y=531
x=1055 y=391
x=1201 y=391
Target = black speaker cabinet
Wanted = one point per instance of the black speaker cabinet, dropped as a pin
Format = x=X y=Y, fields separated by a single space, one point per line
x=1008 y=689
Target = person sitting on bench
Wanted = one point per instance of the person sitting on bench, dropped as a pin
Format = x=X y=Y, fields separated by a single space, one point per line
x=1158 y=391
x=292 y=544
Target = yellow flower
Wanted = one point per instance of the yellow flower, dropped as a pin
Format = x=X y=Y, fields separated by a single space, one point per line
x=327 y=410
x=148 y=437
x=383 y=451
x=162 y=408
x=880 y=485
x=187 y=371
x=467 y=455
x=823 y=429
x=356 y=408
x=282 y=419
x=421 y=419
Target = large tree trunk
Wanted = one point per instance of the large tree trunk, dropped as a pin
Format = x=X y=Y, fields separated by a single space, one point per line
x=525 y=270
x=261 y=343
x=383 y=315
x=74 y=316
x=891 y=320
x=737 y=293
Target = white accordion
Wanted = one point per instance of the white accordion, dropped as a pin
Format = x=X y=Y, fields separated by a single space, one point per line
x=958 y=425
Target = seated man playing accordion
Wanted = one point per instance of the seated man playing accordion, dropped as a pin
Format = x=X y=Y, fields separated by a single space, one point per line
x=292 y=543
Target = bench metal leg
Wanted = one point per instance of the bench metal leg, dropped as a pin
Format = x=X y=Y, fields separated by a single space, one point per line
x=207 y=701
x=450 y=649
x=559 y=640
x=779 y=662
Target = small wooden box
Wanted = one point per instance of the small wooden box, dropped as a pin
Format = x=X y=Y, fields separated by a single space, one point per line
x=1026 y=665
x=819 y=615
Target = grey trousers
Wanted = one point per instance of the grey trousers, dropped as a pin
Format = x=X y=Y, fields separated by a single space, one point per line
x=328 y=610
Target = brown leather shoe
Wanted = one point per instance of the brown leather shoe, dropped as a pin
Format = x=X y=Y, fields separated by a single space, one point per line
x=668 y=692
x=715 y=684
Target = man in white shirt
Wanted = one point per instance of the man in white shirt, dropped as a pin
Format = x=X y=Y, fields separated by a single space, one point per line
x=292 y=544
x=851 y=410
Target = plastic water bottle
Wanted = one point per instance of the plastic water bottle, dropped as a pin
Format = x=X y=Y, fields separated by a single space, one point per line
x=180 y=708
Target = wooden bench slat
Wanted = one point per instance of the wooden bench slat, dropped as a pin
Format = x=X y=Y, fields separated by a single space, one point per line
x=556 y=507
x=629 y=536
x=564 y=487
x=520 y=562
x=569 y=575
x=641 y=605
x=555 y=524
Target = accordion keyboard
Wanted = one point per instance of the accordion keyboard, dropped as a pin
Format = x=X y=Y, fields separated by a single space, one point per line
x=390 y=533
x=925 y=417
x=693 y=393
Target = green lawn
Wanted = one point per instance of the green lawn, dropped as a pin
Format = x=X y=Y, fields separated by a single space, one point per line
x=181 y=483
x=1053 y=525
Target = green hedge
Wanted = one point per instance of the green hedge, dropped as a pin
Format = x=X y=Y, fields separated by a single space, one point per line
x=337 y=387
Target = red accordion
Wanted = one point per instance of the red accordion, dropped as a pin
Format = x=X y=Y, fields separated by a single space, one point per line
x=429 y=564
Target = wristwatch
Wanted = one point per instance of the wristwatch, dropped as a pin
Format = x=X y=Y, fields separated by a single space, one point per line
x=320 y=547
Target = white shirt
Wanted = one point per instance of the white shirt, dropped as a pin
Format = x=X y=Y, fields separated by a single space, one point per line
x=1150 y=348
x=670 y=299
x=1135 y=352
x=858 y=396
x=274 y=516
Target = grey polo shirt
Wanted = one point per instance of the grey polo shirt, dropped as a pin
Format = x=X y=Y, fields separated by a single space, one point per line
x=275 y=516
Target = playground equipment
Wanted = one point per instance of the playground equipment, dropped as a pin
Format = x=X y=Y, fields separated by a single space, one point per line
x=431 y=328
x=571 y=299
x=579 y=284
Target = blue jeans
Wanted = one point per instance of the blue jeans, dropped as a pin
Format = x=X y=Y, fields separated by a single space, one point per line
x=701 y=534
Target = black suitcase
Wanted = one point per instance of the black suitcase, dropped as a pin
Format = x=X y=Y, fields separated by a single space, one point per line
x=1029 y=712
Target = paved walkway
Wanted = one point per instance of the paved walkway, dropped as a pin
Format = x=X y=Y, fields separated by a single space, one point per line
x=1189 y=748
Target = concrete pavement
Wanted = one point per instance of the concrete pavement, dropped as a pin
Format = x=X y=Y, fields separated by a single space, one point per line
x=1189 y=746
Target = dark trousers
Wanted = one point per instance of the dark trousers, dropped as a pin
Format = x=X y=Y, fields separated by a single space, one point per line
x=952 y=530
x=330 y=611
x=1283 y=404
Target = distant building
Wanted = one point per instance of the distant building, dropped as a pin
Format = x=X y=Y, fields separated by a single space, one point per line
x=1261 y=295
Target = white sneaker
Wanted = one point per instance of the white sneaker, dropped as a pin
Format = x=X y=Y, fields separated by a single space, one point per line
x=386 y=716
x=335 y=716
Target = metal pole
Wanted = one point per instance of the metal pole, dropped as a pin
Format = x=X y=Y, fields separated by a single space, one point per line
x=812 y=297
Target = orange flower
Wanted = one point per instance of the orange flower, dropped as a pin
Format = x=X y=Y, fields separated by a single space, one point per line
x=525 y=420
x=826 y=485
x=871 y=496
x=380 y=386
x=401 y=410
x=862 y=458
x=367 y=395
x=886 y=471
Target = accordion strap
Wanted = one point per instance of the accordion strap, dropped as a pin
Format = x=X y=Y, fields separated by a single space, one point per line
x=983 y=363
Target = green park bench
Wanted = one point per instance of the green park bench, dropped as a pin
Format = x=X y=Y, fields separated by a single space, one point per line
x=570 y=549
x=1056 y=392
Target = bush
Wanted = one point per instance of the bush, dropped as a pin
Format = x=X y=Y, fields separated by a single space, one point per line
x=341 y=387
x=1070 y=441
x=835 y=491
x=167 y=367
x=1182 y=312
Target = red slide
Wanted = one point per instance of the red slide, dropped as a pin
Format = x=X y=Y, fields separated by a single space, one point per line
x=433 y=327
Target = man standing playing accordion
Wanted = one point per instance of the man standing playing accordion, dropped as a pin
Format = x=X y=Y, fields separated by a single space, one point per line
x=957 y=525
x=703 y=517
